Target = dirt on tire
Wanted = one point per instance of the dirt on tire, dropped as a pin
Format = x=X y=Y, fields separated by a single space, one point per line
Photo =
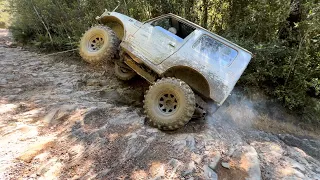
x=181 y=104
x=123 y=73
x=99 y=44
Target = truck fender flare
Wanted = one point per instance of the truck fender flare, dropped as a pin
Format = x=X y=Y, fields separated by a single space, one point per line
x=115 y=24
x=192 y=77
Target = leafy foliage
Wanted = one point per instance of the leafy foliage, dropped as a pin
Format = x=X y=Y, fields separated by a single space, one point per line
x=289 y=68
x=282 y=34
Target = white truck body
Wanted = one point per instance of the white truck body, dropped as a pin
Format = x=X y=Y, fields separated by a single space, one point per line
x=218 y=60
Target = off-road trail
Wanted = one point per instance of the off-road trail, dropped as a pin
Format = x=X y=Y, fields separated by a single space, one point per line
x=63 y=119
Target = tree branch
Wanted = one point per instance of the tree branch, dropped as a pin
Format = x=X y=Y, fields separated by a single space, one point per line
x=40 y=18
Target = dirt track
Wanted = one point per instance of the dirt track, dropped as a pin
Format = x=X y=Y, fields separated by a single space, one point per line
x=62 y=119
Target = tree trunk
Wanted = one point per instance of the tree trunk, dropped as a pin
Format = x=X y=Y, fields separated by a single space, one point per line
x=40 y=18
x=205 y=14
x=189 y=10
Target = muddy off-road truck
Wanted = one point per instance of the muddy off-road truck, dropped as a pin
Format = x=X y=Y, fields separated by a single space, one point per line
x=184 y=63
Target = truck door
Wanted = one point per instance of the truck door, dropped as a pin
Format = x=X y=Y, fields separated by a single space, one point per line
x=155 y=41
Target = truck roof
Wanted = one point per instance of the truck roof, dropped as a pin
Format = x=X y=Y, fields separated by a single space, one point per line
x=199 y=27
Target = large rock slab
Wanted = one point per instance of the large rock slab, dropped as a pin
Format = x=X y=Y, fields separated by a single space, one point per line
x=35 y=149
x=311 y=147
x=242 y=164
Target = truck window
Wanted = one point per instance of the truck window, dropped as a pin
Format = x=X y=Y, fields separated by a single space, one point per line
x=181 y=29
x=215 y=50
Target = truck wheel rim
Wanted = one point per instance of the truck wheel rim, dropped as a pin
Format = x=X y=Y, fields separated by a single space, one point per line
x=167 y=103
x=95 y=43
x=124 y=70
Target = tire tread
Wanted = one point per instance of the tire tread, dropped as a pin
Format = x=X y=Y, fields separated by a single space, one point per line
x=188 y=110
x=108 y=54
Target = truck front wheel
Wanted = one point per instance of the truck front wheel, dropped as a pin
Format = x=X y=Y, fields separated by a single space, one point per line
x=99 y=43
x=169 y=103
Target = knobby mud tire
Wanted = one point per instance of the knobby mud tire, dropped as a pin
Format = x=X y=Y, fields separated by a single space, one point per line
x=108 y=50
x=124 y=74
x=185 y=104
x=201 y=109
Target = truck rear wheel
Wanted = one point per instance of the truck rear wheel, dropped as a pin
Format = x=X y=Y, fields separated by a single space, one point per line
x=201 y=108
x=122 y=72
x=99 y=43
x=169 y=104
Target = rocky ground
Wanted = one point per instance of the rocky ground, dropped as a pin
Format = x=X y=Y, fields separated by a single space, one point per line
x=63 y=119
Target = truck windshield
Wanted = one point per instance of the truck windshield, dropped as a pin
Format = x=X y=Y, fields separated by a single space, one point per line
x=215 y=50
